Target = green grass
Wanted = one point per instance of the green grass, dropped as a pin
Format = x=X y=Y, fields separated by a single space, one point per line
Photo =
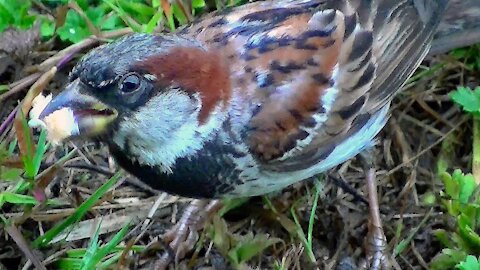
x=460 y=194
x=96 y=256
x=307 y=239
x=236 y=248
x=25 y=192
x=45 y=239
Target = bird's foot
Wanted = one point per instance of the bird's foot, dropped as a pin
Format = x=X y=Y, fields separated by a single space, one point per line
x=182 y=237
x=376 y=247
x=376 y=242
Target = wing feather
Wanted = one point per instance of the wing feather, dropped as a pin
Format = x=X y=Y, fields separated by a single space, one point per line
x=314 y=72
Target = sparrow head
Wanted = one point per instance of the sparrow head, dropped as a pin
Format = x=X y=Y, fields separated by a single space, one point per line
x=144 y=90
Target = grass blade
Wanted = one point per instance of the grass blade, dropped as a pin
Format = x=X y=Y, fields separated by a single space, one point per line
x=311 y=220
x=42 y=147
x=78 y=214
x=108 y=248
x=88 y=258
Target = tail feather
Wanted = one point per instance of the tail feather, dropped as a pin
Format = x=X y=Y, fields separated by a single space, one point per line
x=404 y=38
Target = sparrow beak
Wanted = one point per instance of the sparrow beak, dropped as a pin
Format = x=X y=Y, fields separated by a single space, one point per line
x=72 y=113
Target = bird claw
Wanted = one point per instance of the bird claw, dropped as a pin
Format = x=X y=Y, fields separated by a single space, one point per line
x=377 y=249
x=178 y=246
x=181 y=238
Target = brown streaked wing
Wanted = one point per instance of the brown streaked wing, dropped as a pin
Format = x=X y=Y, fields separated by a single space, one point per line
x=300 y=78
x=404 y=40
x=402 y=31
x=375 y=44
x=227 y=25
x=283 y=56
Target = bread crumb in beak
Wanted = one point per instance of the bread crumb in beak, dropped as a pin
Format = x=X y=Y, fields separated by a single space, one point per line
x=60 y=124
x=38 y=105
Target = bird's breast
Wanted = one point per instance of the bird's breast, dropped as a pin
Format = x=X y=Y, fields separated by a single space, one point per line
x=209 y=173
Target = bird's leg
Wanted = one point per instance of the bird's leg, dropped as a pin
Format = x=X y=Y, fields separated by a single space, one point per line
x=377 y=242
x=182 y=237
x=377 y=257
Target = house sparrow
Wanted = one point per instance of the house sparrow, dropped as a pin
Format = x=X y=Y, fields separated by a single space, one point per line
x=249 y=100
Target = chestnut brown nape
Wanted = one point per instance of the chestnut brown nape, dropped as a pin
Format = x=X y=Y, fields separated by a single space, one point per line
x=208 y=75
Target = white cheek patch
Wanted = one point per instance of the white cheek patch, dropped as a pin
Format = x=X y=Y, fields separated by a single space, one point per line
x=167 y=128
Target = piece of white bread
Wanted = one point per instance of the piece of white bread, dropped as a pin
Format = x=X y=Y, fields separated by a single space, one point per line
x=60 y=124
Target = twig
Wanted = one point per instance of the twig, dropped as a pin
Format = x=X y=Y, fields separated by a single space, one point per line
x=80 y=46
x=152 y=211
x=65 y=60
x=22 y=244
x=25 y=81
x=8 y=121
x=36 y=88
x=432 y=112
x=186 y=11
x=73 y=5
x=93 y=168
x=349 y=189
x=20 y=85
x=421 y=153
x=59 y=60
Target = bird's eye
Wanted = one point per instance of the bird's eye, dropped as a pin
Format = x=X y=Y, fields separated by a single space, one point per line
x=130 y=83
